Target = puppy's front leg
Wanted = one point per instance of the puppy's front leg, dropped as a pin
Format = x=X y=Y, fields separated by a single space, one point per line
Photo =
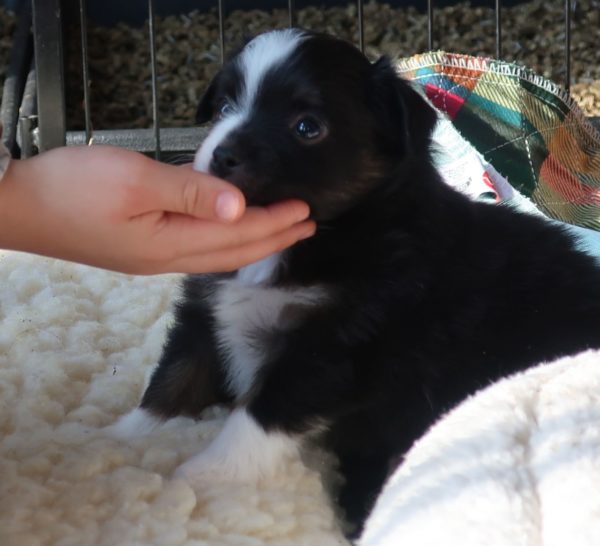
x=189 y=376
x=301 y=390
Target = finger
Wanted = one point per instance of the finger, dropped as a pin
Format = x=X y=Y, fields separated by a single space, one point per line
x=187 y=236
x=234 y=258
x=184 y=191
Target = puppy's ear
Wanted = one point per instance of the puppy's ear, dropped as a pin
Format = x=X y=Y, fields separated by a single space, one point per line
x=205 y=110
x=404 y=115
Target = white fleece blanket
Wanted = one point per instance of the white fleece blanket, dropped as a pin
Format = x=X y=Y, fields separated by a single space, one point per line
x=76 y=347
x=517 y=464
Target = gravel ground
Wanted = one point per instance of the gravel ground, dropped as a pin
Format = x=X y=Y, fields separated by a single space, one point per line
x=7 y=29
x=188 y=51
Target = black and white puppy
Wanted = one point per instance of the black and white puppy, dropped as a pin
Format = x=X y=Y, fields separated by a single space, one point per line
x=409 y=298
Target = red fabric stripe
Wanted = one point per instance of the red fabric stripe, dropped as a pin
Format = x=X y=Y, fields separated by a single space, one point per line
x=563 y=182
x=443 y=100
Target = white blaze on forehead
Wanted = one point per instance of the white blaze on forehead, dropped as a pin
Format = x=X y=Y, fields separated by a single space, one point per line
x=260 y=55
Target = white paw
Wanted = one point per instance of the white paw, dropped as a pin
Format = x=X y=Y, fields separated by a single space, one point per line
x=138 y=422
x=242 y=452
x=202 y=470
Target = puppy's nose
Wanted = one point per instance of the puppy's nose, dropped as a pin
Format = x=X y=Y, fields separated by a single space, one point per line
x=224 y=161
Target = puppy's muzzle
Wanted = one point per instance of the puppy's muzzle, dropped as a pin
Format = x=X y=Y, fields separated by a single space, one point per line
x=225 y=162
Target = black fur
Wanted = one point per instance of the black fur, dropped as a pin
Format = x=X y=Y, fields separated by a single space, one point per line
x=432 y=296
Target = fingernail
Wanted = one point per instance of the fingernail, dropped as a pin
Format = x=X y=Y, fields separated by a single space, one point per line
x=227 y=206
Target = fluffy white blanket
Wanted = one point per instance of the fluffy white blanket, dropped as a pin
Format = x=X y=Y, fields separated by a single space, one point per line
x=76 y=347
x=517 y=464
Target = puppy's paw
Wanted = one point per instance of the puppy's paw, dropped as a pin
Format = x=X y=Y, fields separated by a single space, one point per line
x=138 y=422
x=242 y=452
x=202 y=470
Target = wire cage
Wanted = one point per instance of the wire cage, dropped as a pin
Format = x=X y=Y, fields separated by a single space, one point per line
x=34 y=105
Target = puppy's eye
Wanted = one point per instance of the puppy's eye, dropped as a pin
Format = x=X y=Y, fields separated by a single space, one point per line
x=309 y=128
x=224 y=109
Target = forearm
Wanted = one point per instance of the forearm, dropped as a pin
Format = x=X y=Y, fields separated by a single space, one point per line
x=27 y=220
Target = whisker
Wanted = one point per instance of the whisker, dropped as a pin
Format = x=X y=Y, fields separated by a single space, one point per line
x=180 y=159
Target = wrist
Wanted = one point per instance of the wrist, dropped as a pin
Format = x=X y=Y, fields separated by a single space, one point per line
x=16 y=207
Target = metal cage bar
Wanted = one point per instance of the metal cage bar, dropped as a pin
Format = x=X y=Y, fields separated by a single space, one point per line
x=222 y=30
x=155 y=113
x=85 y=72
x=498 y=14
x=21 y=56
x=361 y=26
x=26 y=133
x=175 y=140
x=47 y=35
x=430 y=24
x=292 y=13
x=568 y=44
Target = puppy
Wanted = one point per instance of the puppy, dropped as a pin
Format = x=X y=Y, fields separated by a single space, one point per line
x=409 y=298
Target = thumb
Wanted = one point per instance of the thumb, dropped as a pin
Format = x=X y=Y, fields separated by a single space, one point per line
x=182 y=190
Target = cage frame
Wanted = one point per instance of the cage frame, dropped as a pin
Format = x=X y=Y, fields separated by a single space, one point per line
x=36 y=82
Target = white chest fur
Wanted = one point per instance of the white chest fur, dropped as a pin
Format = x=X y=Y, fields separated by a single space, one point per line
x=247 y=311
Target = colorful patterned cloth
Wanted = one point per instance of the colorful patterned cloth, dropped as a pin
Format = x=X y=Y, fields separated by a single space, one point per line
x=527 y=127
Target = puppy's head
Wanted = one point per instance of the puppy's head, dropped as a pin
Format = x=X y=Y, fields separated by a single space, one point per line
x=307 y=116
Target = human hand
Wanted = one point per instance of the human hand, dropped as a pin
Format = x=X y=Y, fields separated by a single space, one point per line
x=118 y=209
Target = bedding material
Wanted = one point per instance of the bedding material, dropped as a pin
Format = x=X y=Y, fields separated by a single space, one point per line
x=516 y=465
x=76 y=347
x=519 y=463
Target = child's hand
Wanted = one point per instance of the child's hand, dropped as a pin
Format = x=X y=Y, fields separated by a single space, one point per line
x=119 y=210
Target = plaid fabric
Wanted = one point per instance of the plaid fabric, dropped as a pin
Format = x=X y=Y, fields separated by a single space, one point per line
x=528 y=128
